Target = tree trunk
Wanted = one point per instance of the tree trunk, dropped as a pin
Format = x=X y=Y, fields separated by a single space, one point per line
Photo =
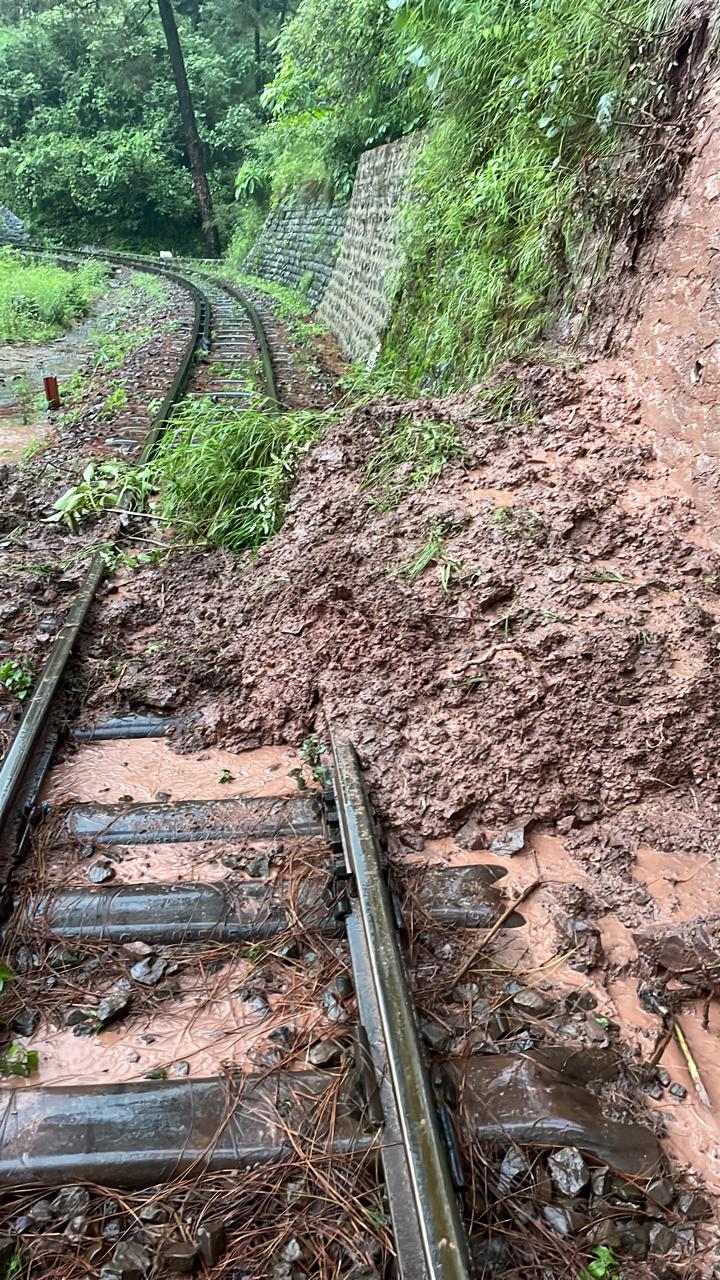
x=192 y=140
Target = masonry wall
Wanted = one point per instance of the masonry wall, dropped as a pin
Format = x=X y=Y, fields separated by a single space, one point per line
x=352 y=255
x=357 y=305
x=298 y=241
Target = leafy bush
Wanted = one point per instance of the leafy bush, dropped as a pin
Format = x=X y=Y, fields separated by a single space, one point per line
x=342 y=86
x=529 y=101
x=39 y=299
x=225 y=475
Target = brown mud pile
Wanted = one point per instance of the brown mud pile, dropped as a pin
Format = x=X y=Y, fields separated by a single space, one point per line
x=557 y=660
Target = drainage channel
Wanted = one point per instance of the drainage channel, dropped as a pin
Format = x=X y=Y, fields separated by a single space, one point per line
x=125 y=941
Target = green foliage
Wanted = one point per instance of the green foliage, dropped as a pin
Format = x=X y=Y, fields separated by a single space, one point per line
x=604 y=1266
x=6 y=975
x=312 y=751
x=528 y=102
x=39 y=299
x=17 y=675
x=409 y=456
x=290 y=304
x=433 y=552
x=18 y=1061
x=225 y=475
x=91 y=143
x=342 y=86
x=103 y=485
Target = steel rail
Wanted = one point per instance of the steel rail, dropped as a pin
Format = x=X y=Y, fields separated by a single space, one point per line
x=429 y=1235
x=34 y=724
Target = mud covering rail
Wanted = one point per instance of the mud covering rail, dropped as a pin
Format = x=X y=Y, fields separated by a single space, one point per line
x=429 y=1235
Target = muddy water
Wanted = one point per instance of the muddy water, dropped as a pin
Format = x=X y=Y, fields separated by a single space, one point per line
x=16 y=435
x=196 y=1017
x=148 y=769
x=681 y=886
x=206 y=1025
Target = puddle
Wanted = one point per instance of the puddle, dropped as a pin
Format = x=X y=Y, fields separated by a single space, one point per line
x=148 y=769
x=16 y=435
x=682 y=886
x=207 y=1026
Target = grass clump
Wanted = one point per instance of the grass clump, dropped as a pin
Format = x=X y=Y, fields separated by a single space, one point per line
x=39 y=300
x=532 y=105
x=225 y=475
x=409 y=456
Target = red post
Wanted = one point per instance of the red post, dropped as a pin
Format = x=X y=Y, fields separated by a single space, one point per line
x=52 y=394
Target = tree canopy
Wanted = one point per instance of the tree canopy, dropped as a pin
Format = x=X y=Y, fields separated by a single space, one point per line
x=91 y=141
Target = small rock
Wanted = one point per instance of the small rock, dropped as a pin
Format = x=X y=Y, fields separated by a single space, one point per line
x=660 y=1239
x=663 y=1076
x=568 y=1171
x=584 y=939
x=258 y=867
x=692 y=1206
x=139 y=949
x=42 y=1213
x=153 y=1213
x=211 y=1240
x=466 y=992
x=77 y=1228
x=259 y=1004
x=436 y=1037
x=326 y=1053
x=563 y=1219
x=471 y=835
x=533 y=1002
x=510 y=841
x=100 y=872
x=132 y=1055
x=69 y=1202
x=580 y=1000
x=513 y=1168
x=626 y=1192
x=678 y=1091
x=634 y=1239
x=23 y=1223
x=25 y=1022
x=604 y=1232
x=600 y=1181
x=180 y=1068
x=109 y=1272
x=289 y=951
x=178 y=1256
x=291 y=1251
x=25 y=960
x=334 y=1011
x=661 y=1192
x=110 y=1007
x=654 y=1091
x=148 y=971
x=131 y=1259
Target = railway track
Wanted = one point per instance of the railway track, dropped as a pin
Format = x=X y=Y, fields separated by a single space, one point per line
x=140 y=1133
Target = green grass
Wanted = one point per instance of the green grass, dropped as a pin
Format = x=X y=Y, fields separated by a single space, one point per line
x=39 y=300
x=533 y=104
x=225 y=475
x=409 y=456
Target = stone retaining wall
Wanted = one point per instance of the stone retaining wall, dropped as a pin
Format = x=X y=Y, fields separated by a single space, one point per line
x=352 y=256
x=299 y=242
x=357 y=305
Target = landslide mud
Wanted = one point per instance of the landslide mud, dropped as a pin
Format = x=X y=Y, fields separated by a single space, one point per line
x=543 y=681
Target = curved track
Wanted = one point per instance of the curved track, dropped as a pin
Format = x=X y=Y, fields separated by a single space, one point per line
x=141 y=1132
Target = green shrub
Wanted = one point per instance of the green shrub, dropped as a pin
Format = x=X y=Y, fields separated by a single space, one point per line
x=39 y=299
x=225 y=475
x=529 y=101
